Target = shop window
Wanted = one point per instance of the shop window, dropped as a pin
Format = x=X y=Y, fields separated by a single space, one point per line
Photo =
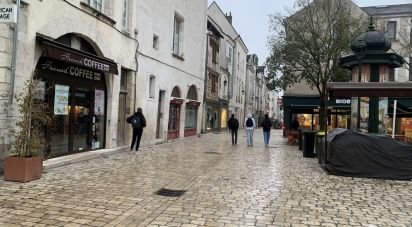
x=191 y=116
x=125 y=15
x=391 y=74
x=152 y=83
x=178 y=35
x=96 y=4
x=391 y=30
x=155 y=42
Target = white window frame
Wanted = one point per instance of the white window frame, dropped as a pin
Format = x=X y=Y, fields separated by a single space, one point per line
x=95 y=4
x=125 y=15
x=178 y=32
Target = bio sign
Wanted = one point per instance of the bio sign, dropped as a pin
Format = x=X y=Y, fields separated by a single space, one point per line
x=8 y=13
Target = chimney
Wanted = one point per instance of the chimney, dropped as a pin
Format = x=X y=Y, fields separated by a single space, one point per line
x=229 y=17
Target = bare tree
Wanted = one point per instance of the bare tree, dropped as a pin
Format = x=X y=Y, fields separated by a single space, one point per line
x=307 y=45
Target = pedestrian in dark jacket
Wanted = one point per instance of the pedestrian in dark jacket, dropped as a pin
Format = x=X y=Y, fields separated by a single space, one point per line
x=138 y=122
x=233 y=125
x=266 y=125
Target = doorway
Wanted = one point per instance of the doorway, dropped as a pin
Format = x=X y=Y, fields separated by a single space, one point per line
x=81 y=119
x=174 y=120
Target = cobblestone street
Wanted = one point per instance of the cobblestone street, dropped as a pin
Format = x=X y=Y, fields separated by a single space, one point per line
x=226 y=186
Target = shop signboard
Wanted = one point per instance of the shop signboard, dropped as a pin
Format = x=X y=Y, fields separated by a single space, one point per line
x=8 y=13
x=61 y=100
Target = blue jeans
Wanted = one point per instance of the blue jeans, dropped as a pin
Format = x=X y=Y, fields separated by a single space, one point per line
x=266 y=137
x=249 y=135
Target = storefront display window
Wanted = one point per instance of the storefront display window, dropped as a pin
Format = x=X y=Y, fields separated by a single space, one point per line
x=364 y=114
x=191 y=116
x=98 y=120
x=223 y=117
x=383 y=113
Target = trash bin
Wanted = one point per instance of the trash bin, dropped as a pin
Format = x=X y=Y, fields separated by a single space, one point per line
x=308 y=143
x=320 y=147
x=300 y=139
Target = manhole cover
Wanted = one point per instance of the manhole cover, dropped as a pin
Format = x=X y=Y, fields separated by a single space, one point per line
x=211 y=152
x=170 y=192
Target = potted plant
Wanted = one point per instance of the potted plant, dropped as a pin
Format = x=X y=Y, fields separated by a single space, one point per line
x=27 y=139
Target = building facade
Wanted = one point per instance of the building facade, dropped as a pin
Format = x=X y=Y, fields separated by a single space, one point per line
x=171 y=67
x=97 y=61
x=215 y=111
x=237 y=100
x=231 y=72
x=78 y=50
x=250 y=88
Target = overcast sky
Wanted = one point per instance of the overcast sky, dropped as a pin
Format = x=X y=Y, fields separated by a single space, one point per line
x=250 y=18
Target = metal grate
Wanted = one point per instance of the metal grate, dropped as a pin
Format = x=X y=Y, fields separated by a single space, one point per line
x=212 y=152
x=170 y=192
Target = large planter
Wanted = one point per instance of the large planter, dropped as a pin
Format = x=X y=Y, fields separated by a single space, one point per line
x=23 y=169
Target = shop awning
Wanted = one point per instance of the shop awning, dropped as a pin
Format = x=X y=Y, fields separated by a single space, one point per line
x=370 y=89
x=61 y=52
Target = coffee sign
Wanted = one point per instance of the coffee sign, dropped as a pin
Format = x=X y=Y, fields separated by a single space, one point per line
x=71 y=70
x=80 y=59
x=8 y=13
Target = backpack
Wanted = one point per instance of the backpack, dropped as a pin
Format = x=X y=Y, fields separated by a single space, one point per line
x=249 y=122
x=235 y=124
x=136 y=121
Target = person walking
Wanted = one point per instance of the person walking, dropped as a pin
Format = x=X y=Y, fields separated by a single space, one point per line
x=138 y=122
x=266 y=125
x=249 y=126
x=233 y=125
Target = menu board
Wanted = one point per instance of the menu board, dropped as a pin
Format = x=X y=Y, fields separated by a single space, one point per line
x=61 y=100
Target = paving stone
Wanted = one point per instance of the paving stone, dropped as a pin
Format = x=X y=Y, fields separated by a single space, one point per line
x=240 y=186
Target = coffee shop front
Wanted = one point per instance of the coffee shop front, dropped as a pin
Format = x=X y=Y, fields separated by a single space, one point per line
x=73 y=84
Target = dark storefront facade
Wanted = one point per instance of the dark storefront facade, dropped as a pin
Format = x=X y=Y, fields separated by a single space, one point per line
x=306 y=110
x=73 y=84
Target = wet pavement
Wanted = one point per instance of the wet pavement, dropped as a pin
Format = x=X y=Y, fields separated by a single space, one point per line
x=225 y=186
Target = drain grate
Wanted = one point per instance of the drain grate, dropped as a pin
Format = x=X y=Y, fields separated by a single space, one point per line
x=170 y=192
x=211 y=152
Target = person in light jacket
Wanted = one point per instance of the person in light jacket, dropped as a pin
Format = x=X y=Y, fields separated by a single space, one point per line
x=249 y=126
